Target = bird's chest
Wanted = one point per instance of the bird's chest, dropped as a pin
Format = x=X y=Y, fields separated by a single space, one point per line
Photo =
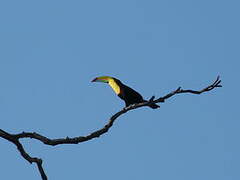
x=115 y=87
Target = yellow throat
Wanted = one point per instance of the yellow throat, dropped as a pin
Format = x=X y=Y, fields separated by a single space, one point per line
x=114 y=85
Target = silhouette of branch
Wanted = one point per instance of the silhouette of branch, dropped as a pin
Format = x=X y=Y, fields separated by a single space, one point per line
x=14 y=138
x=25 y=155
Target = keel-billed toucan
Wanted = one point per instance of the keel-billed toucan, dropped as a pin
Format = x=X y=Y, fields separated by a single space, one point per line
x=126 y=93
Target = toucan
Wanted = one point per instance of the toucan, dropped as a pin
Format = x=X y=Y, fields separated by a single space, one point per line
x=126 y=93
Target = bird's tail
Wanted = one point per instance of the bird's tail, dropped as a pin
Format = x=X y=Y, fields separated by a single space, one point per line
x=153 y=106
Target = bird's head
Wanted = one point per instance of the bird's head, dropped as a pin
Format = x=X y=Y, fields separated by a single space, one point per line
x=104 y=79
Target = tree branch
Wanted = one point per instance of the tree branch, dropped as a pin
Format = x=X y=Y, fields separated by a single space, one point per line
x=14 y=138
x=25 y=155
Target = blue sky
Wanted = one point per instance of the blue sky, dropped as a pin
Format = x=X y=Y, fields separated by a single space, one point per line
x=51 y=50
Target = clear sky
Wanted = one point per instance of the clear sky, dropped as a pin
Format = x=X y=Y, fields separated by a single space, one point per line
x=51 y=50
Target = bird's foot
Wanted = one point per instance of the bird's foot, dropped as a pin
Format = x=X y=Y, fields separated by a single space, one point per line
x=130 y=106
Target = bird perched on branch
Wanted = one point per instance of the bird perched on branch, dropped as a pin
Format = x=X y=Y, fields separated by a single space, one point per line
x=126 y=93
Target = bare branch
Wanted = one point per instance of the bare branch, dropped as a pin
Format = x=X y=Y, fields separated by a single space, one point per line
x=25 y=155
x=14 y=138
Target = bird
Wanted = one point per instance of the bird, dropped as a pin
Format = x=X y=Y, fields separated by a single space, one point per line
x=126 y=93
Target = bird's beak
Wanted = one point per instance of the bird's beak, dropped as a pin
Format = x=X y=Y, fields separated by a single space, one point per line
x=99 y=79
x=94 y=80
